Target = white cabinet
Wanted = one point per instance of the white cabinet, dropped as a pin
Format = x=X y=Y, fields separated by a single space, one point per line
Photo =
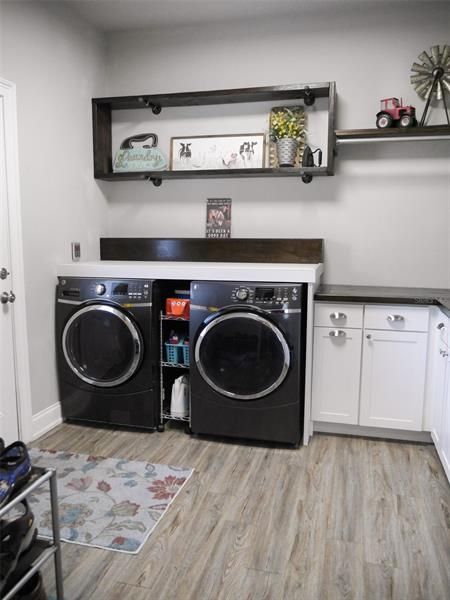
x=370 y=369
x=439 y=374
x=337 y=362
x=444 y=449
x=336 y=370
x=393 y=379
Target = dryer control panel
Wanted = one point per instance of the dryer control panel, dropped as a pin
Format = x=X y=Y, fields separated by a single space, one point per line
x=267 y=296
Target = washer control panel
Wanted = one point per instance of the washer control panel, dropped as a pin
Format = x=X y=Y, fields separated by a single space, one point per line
x=125 y=290
x=270 y=296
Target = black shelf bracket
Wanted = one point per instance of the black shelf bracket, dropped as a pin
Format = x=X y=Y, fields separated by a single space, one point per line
x=309 y=96
x=156 y=109
x=157 y=181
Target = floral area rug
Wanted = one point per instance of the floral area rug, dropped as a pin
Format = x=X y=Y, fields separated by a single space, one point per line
x=105 y=502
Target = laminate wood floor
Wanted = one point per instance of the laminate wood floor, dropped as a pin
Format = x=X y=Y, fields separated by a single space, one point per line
x=344 y=518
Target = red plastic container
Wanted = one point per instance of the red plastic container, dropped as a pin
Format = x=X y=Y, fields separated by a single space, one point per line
x=178 y=307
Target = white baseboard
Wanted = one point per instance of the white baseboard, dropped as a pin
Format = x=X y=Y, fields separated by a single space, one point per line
x=46 y=419
x=378 y=432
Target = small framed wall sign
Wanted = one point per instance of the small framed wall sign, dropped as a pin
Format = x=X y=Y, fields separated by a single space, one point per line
x=218 y=218
x=203 y=152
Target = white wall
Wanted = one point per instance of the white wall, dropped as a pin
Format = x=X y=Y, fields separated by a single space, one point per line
x=384 y=216
x=58 y=64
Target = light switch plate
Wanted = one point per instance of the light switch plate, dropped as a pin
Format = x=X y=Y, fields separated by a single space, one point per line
x=76 y=251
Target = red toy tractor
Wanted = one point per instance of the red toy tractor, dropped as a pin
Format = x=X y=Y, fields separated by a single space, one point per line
x=394 y=114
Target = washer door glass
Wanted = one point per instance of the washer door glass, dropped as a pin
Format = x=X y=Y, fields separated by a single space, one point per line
x=242 y=355
x=102 y=345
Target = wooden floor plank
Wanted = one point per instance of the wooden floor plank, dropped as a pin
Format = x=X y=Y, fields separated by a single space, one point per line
x=344 y=518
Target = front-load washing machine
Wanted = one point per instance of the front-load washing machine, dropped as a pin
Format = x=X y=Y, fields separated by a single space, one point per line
x=107 y=351
x=248 y=360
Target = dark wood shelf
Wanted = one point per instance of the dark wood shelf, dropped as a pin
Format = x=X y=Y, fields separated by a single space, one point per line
x=433 y=131
x=235 y=96
x=213 y=174
x=102 y=121
x=248 y=250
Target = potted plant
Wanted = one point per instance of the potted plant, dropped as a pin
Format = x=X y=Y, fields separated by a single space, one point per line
x=286 y=130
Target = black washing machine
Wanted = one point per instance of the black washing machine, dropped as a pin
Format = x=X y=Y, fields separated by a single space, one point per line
x=248 y=360
x=107 y=351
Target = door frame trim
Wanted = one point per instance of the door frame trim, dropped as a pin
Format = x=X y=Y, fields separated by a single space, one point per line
x=19 y=317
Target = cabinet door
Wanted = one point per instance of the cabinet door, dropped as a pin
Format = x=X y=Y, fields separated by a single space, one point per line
x=438 y=392
x=336 y=375
x=444 y=440
x=393 y=379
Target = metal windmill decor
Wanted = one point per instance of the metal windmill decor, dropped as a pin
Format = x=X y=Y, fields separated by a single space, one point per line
x=431 y=78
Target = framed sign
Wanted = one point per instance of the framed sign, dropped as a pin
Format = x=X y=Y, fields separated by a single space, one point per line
x=204 y=152
x=218 y=218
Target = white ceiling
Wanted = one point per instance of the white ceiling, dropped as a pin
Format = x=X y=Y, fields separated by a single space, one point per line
x=124 y=15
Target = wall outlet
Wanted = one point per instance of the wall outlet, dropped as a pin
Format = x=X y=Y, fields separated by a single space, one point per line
x=76 y=251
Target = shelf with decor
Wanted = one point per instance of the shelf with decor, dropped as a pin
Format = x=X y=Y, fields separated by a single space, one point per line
x=305 y=94
x=393 y=134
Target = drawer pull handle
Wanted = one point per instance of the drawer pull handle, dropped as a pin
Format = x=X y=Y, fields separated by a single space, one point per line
x=395 y=318
x=443 y=353
x=337 y=333
x=338 y=315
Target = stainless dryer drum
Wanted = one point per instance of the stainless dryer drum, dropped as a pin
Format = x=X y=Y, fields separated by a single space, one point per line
x=242 y=355
x=102 y=345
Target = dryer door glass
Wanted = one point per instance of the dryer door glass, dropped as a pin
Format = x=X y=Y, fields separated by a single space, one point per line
x=102 y=345
x=242 y=355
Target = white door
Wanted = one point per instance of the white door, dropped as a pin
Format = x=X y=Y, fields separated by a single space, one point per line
x=336 y=375
x=393 y=379
x=8 y=399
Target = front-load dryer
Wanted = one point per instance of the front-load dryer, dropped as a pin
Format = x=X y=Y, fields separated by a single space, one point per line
x=107 y=351
x=248 y=360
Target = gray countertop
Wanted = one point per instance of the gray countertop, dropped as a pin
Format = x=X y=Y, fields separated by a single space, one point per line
x=387 y=295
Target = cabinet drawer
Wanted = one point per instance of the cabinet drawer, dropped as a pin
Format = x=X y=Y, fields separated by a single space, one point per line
x=327 y=314
x=396 y=318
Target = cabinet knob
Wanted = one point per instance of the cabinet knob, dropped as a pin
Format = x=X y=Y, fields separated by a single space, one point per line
x=369 y=336
x=440 y=326
x=338 y=315
x=337 y=333
x=395 y=318
x=443 y=353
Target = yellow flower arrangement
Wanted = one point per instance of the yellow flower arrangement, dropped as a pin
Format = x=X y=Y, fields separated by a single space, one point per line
x=286 y=123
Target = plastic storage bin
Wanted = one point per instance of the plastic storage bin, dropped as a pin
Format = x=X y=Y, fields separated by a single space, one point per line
x=174 y=353
x=177 y=353
x=185 y=349
x=178 y=307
